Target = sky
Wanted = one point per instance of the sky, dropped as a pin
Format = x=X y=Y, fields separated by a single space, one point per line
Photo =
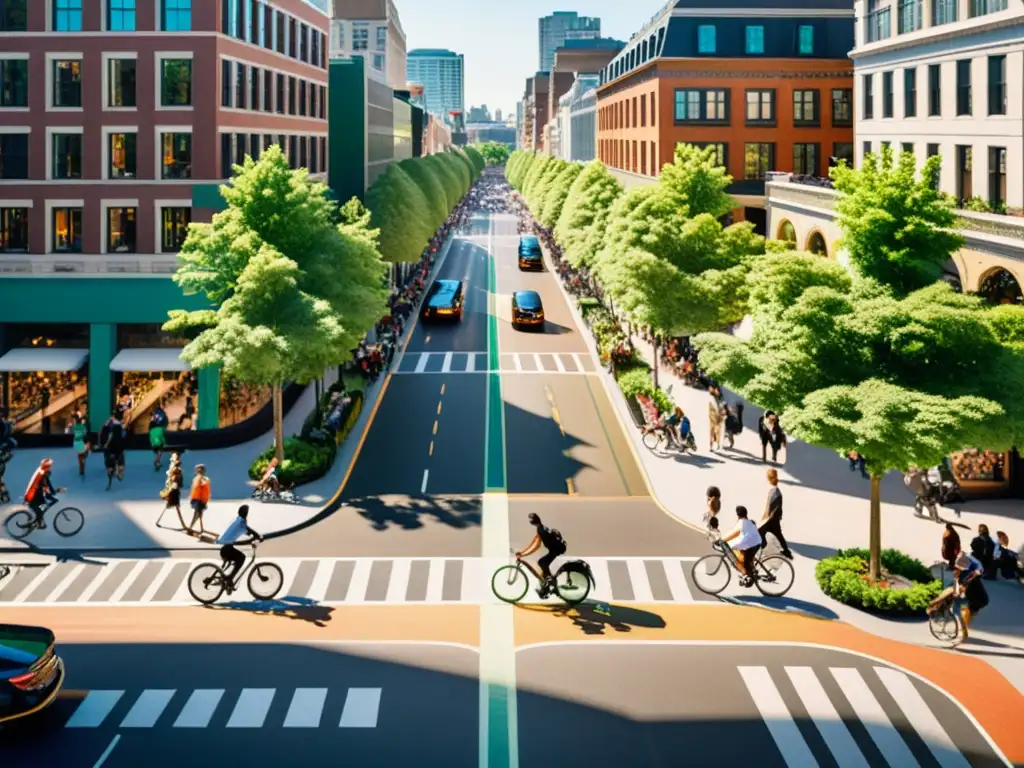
x=499 y=39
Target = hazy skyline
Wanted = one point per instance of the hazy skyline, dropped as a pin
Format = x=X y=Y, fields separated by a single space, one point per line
x=500 y=41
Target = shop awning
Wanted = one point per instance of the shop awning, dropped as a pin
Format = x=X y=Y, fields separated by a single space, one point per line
x=46 y=359
x=155 y=359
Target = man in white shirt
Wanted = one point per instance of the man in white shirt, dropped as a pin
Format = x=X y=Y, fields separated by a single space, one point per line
x=239 y=527
x=747 y=541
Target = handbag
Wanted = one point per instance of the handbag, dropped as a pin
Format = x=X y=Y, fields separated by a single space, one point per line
x=165 y=492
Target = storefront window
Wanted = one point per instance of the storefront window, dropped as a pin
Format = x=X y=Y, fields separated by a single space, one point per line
x=239 y=401
x=137 y=394
x=45 y=401
x=979 y=466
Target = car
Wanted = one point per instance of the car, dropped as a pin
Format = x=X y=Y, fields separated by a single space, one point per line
x=530 y=254
x=31 y=673
x=527 y=310
x=444 y=301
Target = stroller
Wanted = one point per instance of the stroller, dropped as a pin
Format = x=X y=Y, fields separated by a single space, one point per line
x=733 y=422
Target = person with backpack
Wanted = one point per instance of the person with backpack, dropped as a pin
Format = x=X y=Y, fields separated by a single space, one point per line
x=158 y=422
x=553 y=542
x=112 y=439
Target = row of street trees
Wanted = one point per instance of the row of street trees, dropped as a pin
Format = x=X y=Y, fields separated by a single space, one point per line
x=493 y=152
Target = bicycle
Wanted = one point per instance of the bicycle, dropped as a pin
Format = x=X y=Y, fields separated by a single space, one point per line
x=67 y=521
x=572 y=581
x=946 y=622
x=656 y=439
x=207 y=582
x=5 y=571
x=769 y=572
x=270 y=495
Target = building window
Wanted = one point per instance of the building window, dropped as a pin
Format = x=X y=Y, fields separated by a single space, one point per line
x=997 y=177
x=866 y=148
x=121 y=232
x=805 y=40
x=985 y=7
x=842 y=107
x=176 y=155
x=805 y=108
x=943 y=12
x=910 y=92
x=934 y=90
x=887 y=100
x=227 y=155
x=315 y=48
x=13 y=230
x=226 y=81
x=313 y=92
x=13 y=82
x=268 y=91
x=254 y=146
x=302 y=97
x=303 y=156
x=868 y=82
x=964 y=172
x=720 y=152
x=261 y=24
x=254 y=88
x=293 y=151
x=304 y=43
x=705 y=106
x=67 y=83
x=706 y=39
x=279 y=101
x=13 y=155
x=174 y=228
x=121 y=83
x=907 y=146
x=279 y=30
x=176 y=82
x=67 y=230
x=122 y=148
x=67 y=156
x=360 y=37
x=229 y=17
x=67 y=15
x=240 y=148
x=176 y=15
x=323 y=102
x=909 y=19
x=805 y=159
x=382 y=38
x=931 y=150
x=842 y=152
x=755 y=39
x=121 y=15
x=997 y=85
x=758 y=159
x=14 y=16
x=963 y=87
x=378 y=62
x=878 y=21
x=291 y=95
x=240 y=89
x=293 y=43
x=314 y=164
x=760 y=107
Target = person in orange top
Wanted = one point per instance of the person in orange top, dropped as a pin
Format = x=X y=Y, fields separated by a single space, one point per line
x=200 y=497
x=40 y=491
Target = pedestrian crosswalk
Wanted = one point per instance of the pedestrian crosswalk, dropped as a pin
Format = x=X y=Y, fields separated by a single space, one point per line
x=224 y=708
x=335 y=580
x=856 y=713
x=506 y=362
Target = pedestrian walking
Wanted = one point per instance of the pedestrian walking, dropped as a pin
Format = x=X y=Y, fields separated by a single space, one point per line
x=158 y=422
x=714 y=499
x=112 y=439
x=80 y=442
x=771 y=434
x=171 y=494
x=856 y=462
x=950 y=546
x=772 y=520
x=716 y=419
x=200 y=499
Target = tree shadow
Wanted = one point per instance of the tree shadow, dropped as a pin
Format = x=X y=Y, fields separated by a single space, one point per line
x=785 y=605
x=295 y=608
x=541 y=454
x=408 y=514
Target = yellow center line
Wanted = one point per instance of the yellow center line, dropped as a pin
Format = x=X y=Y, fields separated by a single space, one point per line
x=442 y=389
x=569 y=484
x=426 y=340
x=435 y=426
x=431 y=453
x=438 y=407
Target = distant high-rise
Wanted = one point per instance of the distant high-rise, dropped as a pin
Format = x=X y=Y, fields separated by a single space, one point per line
x=560 y=26
x=440 y=72
x=497 y=115
x=371 y=29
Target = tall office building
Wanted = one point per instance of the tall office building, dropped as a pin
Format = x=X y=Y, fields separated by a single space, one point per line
x=560 y=26
x=370 y=29
x=440 y=72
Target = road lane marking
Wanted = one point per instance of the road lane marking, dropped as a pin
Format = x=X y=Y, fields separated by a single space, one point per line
x=421 y=364
x=22 y=596
x=321 y=580
x=199 y=709
x=641 y=584
x=921 y=718
x=776 y=716
x=442 y=389
x=147 y=708
x=579 y=363
x=427 y=339
x=518 y=363
x=559 y=365
x=570 y=488
x=435 y=427
x=423 y=485
x=538 y=363
x=359 y=582
x=94 y=709
x=878 y=725
x=826 y=719
x=439 y=407
x=306 y=708
x=677 y=581
x=470 y=362
x=107 y=752
x=162 y=574
x=66 y=581
x=129 y=579
x=430 y=452
x=361 y=708
x=251 y=709
x=446 y=367
x=399 y=582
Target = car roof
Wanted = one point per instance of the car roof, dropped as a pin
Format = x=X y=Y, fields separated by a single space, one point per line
x=443 y=291
x=527 y=298
x=528 y=239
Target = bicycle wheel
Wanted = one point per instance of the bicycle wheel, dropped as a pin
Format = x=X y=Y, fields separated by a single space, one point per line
x=711 y=574
x=652 y=440
x=944 y=625
x=206 y=583
x=20 y=524
x=68 y=521
x=265 y=581
x=775 y=576
x=510 y=583
x=572 y=586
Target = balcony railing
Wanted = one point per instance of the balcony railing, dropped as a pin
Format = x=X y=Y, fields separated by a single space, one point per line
x=57 y=264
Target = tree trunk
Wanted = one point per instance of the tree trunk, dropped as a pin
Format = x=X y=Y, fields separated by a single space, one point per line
x=654 y=344
x=278 y=422
x=875 y=535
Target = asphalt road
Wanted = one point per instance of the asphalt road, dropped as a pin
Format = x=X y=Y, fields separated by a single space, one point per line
x=256 y=704
x=651 y=705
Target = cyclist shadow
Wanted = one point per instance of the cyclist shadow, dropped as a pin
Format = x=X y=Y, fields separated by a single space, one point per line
x=295 y=608
x=596 y=618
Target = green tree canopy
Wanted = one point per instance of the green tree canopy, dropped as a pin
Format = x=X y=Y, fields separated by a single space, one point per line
x=460 y=166
x=355 y=222
x=543 y=183
x=696 y=177
x=1007 y=323
x=897 y=226
x=494 y=153
x=585 y=213
x=400 y=211
x=460 y=154
x=475 y=158
x=450 y=180
x=523 y=163
x=430 y=185
x=537 y=169
x=554 y=198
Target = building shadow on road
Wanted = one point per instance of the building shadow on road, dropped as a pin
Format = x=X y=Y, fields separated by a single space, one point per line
x=597 y=618
x=289 y=607
x=408 y=513
x=785 y=605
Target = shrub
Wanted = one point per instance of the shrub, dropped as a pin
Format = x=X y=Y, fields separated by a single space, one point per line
x=305 y=460
x=635 y=381
x=844 y=577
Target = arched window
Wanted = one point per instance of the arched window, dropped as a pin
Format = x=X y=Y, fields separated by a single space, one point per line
x=1001 y=287
x=816 y=244
x=787 y=232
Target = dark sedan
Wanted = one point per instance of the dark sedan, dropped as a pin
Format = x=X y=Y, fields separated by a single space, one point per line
x=527 y=310
x=31 y=673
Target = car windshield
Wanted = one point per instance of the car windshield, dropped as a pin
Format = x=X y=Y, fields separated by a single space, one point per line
x=528 y=300
x=443 y=293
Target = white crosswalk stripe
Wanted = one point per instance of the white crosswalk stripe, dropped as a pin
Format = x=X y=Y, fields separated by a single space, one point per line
x=525 y=363
x=164 y=582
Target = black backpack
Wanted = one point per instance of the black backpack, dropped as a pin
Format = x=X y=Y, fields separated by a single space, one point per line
x=557 y=540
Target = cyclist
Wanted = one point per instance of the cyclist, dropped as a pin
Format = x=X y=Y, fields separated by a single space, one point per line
x=747 y=542
x=550 y=539
x=269 y=481
x=968 y=585
x=40 y=491
x=228 y=551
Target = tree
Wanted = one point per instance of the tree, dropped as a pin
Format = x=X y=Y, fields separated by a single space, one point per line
x=461 y=169
x=584 y=218
x=494 y=153
x=460 y=155
x=852 y=366
x=479 y=163
x=430 y=185
x=535 y=197
x=355 y=222
x=523 y=164
x=554 y=198
x=450 y=180
x=1007 y=323
x=294 y=291
x=696 y=176
x=537 y=168
x=897 y=227
x=399 y=210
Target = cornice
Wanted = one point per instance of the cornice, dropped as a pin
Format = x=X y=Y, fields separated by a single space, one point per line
x=645 y=76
